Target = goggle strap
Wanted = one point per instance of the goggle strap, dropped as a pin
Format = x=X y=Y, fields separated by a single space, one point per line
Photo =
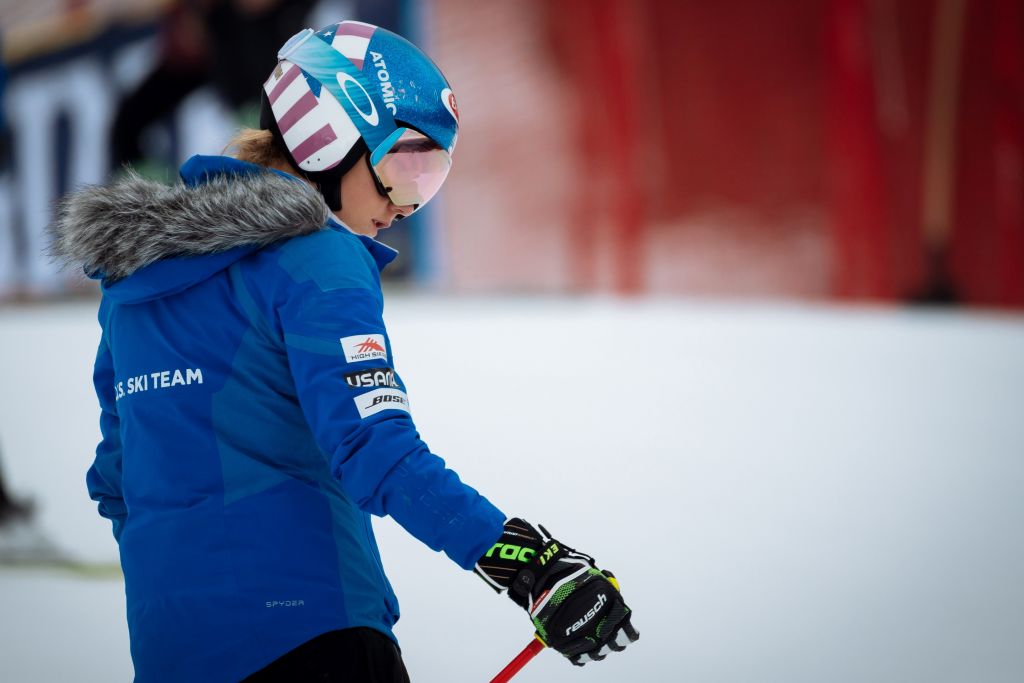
x=385 y=146
x=294 y=42
x=324 y=63
x=381 y=189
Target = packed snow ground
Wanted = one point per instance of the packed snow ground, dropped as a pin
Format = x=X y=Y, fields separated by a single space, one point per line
x=787 y=494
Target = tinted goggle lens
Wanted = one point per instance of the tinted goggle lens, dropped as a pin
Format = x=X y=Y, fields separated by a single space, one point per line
x=411 y=167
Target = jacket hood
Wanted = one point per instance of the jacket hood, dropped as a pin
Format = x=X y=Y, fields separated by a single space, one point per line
x=146 y=240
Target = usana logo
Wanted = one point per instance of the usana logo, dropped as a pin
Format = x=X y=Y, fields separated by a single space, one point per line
x=381 y=377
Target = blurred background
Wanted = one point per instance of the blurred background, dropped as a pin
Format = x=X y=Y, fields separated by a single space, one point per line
x=794 y=231
x=860 y=150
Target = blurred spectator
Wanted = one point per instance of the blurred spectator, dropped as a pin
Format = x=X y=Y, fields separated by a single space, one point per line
x=229 y=44
x=11 y=509
x=21 y=540
x=7 y=268
x=5 y=143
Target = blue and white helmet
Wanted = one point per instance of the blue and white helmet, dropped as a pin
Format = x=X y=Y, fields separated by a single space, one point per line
x=352 y=88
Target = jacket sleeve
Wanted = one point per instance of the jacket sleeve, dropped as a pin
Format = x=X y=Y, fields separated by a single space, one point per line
x=104 y=477
x=340 y=358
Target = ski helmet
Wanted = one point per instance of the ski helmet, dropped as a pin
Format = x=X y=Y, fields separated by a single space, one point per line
x=350 y=89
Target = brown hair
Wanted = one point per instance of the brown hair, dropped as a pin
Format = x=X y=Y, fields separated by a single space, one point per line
x=258 y=147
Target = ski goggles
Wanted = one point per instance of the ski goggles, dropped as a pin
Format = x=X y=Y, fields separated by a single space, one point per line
x=409 y=168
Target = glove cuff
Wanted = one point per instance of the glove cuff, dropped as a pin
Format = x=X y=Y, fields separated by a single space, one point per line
x=518 y=546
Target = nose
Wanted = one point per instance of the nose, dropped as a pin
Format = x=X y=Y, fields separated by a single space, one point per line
x=401 y=212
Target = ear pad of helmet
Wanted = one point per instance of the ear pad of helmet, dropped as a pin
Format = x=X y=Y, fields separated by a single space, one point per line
x=327 y=182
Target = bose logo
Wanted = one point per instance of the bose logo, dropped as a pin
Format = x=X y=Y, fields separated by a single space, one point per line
x=387 y=398
x=373 y=402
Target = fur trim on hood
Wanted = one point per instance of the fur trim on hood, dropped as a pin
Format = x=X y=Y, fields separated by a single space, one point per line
x=115 y=230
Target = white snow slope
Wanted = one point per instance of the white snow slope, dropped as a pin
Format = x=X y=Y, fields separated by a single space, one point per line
x=788 y=494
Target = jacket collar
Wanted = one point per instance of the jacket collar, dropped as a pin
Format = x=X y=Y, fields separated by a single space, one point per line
x=382 y=254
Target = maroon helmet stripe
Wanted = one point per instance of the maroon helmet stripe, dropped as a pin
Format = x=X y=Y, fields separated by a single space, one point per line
x=301 y=107
x=348 y=28
x=314 y=143
x=282 y=84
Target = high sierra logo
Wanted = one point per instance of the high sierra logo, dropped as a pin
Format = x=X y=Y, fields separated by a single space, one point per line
x=362 y=347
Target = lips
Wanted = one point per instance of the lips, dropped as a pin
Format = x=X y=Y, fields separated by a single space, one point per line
x=379 y=224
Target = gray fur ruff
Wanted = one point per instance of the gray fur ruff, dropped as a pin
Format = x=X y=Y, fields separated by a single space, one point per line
x=120 y=228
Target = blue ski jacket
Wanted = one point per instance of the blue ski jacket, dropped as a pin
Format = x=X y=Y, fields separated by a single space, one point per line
x=252 y=420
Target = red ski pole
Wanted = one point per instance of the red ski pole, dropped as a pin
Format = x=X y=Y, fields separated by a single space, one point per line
x=528 y=653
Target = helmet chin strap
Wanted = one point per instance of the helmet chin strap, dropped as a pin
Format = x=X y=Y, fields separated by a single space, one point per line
x=330 y=190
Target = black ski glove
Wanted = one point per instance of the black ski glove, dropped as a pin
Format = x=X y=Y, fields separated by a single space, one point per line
x=576 y=608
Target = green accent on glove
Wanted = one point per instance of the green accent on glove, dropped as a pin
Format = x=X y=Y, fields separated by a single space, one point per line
x=512 y=552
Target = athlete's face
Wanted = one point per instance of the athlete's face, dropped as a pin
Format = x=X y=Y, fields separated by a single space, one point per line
x=363 y=209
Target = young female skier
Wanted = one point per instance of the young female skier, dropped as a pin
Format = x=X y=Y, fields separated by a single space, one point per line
x=251 y=415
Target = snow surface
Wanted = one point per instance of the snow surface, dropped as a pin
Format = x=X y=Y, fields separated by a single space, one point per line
x=786 y=493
